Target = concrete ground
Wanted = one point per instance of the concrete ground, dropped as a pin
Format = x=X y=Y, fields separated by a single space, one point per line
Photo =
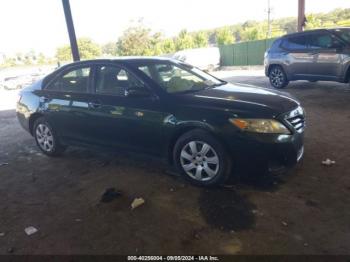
x=304 y=212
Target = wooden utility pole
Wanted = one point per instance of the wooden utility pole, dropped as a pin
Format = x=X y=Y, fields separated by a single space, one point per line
x=301 y=15
x=71 y=31
x=268 y=19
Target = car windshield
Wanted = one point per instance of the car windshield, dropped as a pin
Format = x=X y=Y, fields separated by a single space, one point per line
x=179 y=77
x=343 y=34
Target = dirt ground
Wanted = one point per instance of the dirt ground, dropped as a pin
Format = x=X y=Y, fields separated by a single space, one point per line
x=304 y=212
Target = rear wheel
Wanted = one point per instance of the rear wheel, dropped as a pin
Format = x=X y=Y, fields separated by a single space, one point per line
x=46 y=138
x=201 y=158
x=278 y=78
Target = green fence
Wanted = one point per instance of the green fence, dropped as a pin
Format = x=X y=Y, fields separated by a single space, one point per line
x=244 y=53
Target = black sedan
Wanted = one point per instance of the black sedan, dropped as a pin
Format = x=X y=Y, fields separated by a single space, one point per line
x=202 y=125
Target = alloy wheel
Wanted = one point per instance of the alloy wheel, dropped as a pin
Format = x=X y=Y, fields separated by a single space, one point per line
x=277 y=77
x=44 y=137
x=199 y=160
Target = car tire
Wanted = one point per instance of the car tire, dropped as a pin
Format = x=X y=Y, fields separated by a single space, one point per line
x=201 y=158
x=46 y=138
x=278 y=78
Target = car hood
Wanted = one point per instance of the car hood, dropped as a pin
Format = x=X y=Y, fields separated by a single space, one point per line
x=242 y=99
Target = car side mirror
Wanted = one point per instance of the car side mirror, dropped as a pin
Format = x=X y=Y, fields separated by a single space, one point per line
x=137 y=92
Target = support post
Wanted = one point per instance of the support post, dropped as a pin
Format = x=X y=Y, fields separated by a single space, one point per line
x=301 y=15
x=71 y=31
x=268 y=19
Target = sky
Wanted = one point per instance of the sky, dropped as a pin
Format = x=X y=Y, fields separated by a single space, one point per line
x=40 y=24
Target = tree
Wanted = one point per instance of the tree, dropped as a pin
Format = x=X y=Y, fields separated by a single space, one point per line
x=249 y=34
x=200 y=39
x=224 y=36
x=42 y=59
x=168 y=46
x=184 y=41
x=139 y=40
x=289 y=25
x=9 y=62
x=29 y=57
x=64 y=53
x=155 y=44
x=87 y=49
x=19 y=56
x=212 y=38
x=312 y=21
x=109 y=49
x=135 y=41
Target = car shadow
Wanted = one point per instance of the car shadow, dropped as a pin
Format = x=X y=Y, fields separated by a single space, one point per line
x=262 y=81
x=255 y=178
x=226 y=209
x=262 y=182
x=325 y=85
x=7 y=113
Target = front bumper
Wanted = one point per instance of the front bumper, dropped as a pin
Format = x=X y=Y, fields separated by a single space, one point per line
x=271 y=151
x=266 y=70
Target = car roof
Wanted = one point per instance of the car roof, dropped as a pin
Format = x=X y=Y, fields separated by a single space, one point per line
x=314 y=31
x=304 y=32
x=129 y=59
x=123 y=59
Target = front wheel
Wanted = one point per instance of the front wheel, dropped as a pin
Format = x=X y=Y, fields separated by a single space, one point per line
x=201 y=158
x=46 y=138
x=278 y=78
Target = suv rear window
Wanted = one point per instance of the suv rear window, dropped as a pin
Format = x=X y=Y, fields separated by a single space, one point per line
x=276 y=44
x=324 y=40
x=295 y=42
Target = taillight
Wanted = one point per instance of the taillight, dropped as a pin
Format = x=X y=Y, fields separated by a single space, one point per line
x=19 y=97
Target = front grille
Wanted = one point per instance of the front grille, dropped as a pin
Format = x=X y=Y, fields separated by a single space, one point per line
x=296 y=119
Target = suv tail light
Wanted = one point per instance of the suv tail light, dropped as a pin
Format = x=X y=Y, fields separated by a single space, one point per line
x=19 y=97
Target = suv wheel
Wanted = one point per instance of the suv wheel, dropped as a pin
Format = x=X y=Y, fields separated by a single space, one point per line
x=278 y=78
x=46 y=138
x=201 y=158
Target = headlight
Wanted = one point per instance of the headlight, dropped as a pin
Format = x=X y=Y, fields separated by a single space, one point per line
x=269 y=126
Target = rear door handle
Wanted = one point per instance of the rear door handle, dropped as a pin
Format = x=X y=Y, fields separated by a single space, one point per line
x=314 y=53
x=94 y=104
x=44 y=99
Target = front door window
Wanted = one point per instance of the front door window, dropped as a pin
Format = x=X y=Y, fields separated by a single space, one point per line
x=115 y=80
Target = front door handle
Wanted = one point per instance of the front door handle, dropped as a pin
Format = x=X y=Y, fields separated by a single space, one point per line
x=94 y=104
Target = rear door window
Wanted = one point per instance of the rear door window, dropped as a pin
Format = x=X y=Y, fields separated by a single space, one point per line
x=344 y=34
x=297 y=43
x=75 y=81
